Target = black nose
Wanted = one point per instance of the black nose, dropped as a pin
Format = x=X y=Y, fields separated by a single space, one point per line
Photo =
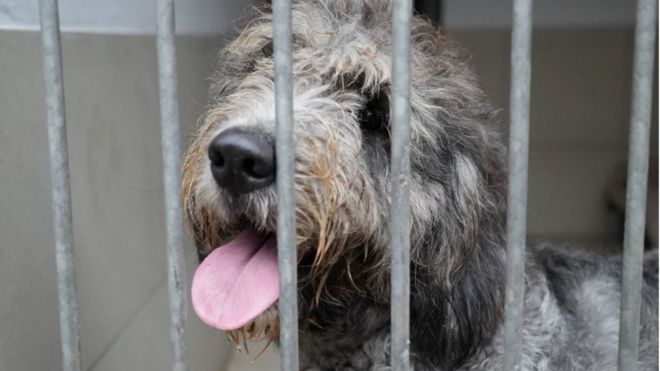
x=242 y=161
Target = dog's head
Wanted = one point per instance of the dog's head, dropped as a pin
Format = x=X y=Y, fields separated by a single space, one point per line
x=341 y=68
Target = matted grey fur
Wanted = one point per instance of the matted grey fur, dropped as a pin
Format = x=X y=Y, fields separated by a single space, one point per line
x=341 y=69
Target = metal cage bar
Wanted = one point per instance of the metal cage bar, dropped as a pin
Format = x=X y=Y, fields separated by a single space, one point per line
x=638 y=160
x=399 y=178
x=285 y=151
x=521 y=44
x=61 y=188
x=171 y=147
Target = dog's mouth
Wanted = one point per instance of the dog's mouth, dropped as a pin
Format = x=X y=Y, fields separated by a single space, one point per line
x=237 y=281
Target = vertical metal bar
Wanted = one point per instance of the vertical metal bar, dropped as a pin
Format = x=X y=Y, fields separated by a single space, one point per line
x=61 y=189
x=521 y=43
x=171 y=147
x=638 y=157
x=400 y=206
x=286 y=222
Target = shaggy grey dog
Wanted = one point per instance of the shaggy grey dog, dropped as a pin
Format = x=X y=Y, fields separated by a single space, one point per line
x=341 y=57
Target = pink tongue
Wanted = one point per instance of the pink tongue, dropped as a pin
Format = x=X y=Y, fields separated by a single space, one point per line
x=237 y=281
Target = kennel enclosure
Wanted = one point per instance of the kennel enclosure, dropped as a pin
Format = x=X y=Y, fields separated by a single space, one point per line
x=520 y=92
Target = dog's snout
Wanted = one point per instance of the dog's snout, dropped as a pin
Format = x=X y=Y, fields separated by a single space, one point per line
x=242 y=161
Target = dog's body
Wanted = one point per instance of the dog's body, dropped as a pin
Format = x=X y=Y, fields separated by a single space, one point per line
x=571 y=323
x=341 y=69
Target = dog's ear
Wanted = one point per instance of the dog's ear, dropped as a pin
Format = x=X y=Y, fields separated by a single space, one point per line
x=457 y=270
x=451 y=321
x=467 y=205
x=457 y=217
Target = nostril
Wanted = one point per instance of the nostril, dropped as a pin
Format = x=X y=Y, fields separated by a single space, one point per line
x=248 y=167
x=257 y=167
x=218 y=160
x=215 y=155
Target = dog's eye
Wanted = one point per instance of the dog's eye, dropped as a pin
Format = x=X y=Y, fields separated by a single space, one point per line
x=375 y=114
x=267 y=50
